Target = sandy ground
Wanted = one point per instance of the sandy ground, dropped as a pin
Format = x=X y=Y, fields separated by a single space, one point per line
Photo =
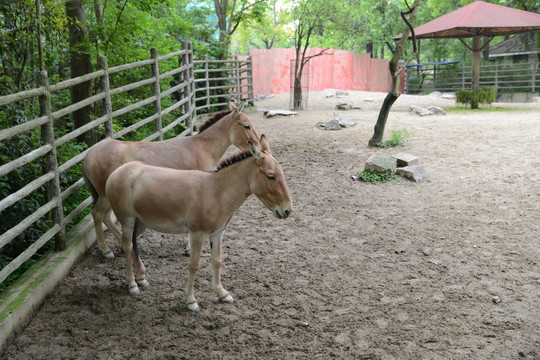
x=447 y=268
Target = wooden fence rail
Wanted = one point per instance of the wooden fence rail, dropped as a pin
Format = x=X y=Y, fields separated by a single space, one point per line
x=189 y=82
x=506 y=78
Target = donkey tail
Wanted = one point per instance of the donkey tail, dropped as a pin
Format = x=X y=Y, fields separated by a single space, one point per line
x=90 y=186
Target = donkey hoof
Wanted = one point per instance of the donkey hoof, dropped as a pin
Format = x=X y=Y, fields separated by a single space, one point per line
x=193 y=306
x=108 y=254
x=187 y=252
x=227 y=299
x=134 y=290
x=143 y=283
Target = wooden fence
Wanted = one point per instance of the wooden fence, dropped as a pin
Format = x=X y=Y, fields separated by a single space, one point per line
x=177 y=82
x=219 y=81
x=506 y=78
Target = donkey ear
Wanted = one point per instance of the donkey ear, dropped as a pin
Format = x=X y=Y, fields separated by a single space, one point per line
x=241 y=105
x=264 y=144
x=232 y=107
x=255 y=152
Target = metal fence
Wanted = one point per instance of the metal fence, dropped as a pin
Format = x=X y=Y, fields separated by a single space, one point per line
x=506 y=78
x=169 y=111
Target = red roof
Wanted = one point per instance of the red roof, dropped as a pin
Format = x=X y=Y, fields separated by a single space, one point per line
x=479 y=18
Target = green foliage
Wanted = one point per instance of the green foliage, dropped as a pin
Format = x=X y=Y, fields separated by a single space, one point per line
x=397 y=138
x=485 y=95
x=369 y=176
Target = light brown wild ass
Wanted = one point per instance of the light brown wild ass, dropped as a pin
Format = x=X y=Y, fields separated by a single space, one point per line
x=201 y=203
x=199 y=152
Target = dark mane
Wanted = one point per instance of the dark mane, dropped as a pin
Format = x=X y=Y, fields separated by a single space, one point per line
x=213 y=119
x=232 y=160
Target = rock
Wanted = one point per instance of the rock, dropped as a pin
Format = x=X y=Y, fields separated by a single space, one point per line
x=436 y=93
x=413 y=172
x=448 y=96
x=346 y=123
x=369 y=99
x=496 y=300
x=341 y=93
x=381 y=164
x=259 y=97
x=331 y=125
x=344 y=106
x=272 y=113
x=405 y=159
x=417 y=110
x=436 y=110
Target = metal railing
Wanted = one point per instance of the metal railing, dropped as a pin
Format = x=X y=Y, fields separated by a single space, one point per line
x=506 y=78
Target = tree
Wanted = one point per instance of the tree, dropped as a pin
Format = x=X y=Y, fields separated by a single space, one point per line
x=231 y=14
x=80 y=63
x=309 y=17
x=395 y=70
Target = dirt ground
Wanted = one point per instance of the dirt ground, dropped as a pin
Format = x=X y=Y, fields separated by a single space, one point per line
x=447 y=268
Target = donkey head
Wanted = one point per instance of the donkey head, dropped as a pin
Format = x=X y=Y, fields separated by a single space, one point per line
x=269 y=183
x=241 y=131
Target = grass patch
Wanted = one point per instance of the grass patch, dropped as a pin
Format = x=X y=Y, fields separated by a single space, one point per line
x=397 y=138
x=464 y=110
x=368 y=176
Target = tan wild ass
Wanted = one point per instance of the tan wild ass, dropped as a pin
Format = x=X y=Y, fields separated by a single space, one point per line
x=201 y=203
x=200 y=152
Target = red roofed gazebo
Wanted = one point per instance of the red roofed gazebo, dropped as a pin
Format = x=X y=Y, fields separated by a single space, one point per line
x=477 y=20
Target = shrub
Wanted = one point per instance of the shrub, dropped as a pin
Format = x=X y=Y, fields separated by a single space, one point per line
x=368 y=176
x=397 y=138
x=485 y=95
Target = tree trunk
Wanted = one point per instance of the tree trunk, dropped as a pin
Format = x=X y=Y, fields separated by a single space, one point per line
x=394 y=93
x=80 y=63
x=389 y=100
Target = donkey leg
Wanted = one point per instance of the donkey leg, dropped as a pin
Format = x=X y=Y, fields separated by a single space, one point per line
x=115 y=230
x=187 y=249
x=98 y=214
x=196 y=240
x=140 y=270
x=217 y=255
x=127 y=246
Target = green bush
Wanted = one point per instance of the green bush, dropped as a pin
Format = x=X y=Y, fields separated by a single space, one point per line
x=397 y=138
x=368 y=176
x=485 y=95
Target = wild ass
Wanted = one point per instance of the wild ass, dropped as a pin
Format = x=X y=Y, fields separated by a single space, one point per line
x=201 y=203
x=200 y=152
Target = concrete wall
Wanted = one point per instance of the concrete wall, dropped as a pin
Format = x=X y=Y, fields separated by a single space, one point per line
x=341 y=69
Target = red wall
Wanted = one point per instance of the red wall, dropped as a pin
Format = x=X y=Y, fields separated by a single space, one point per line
x=341 y=69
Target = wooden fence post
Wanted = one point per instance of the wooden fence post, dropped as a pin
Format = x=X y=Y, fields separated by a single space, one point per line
x=191 y=82
x=250 y=81
x=237 y=80
x=157 y=92
x=187 y=75
x=207 y=82
x=106 y=103
x=53 y=187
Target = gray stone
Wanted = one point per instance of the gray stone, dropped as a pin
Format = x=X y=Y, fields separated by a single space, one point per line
x=448 y=96
x=405 y=159
x=417 y=110
x=347 y=122
x=344 y=106
x=381 y=164
x=414 y=172
x=331 y=125
x=369 y=99
x=341 y=93
x=437 y=110
x=436 y=93
x=272 y=113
